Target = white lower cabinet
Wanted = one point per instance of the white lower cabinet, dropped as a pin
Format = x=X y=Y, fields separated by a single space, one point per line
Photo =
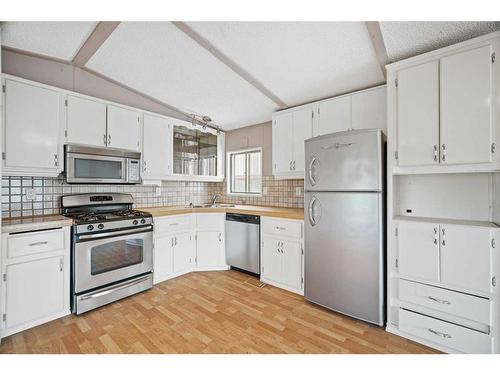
x=210 y=241
x=183 y=252
x=163 y=259
x=35 y=282
x=282 y=255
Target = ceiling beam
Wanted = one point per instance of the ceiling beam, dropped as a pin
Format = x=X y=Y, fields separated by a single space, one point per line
x=95 y=40
x=378 y=44
x=218 y=54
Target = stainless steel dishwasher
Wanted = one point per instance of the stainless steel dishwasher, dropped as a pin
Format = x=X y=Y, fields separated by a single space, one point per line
x=243 y=242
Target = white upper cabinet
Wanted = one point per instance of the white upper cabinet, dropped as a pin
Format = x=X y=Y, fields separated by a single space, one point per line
x=418 y=115
x=123 y=128
x=32 y=130
x=466 y=116
x=86 y=121
x=156 y=147
x=334 y=115
x=369 y=109
x=290 y=130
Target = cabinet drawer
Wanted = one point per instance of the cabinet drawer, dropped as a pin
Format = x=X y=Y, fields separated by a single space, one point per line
x=174 y=223
x=446 y=334
x=35 y=242
x=274 y=227
x=211 y=221
x=447 y=301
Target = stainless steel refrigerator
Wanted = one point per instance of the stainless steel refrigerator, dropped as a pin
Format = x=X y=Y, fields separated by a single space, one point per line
x=345 y=223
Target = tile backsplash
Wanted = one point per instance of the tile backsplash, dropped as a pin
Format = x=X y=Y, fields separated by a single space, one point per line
x=47 y=193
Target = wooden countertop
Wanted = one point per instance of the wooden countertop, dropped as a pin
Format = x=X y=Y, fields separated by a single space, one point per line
x=29 y=223
x=281 y=212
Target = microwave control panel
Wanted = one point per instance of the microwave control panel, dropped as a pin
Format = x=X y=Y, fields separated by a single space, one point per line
x=133 y=170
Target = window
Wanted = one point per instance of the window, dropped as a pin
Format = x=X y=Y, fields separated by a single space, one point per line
x=245 y=172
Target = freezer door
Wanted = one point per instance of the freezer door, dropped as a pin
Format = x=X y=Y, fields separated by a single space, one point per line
x=345 y=161
x=344 y=253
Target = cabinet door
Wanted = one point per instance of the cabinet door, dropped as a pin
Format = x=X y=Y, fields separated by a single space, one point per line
x=302 y=130
x=466 y=257
x=292 y=264
x=418 y=246
x=32 y=127
x=163 y=259
x=466 y=116
x=123 y=128
x=418 y=115
x=334 y=116
x=86 y=122
x=369 y=109
x=282 y=142
x=209 y=249
x=35 y=290
x=157 y=147
x=183 y=252
x=271 y=259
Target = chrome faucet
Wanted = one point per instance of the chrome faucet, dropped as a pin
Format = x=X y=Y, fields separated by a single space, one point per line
x=214 y=198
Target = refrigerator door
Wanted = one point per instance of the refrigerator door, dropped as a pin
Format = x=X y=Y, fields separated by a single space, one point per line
x=344 y=253
x=345 y=161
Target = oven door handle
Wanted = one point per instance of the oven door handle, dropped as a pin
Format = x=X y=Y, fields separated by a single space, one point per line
x=112 y=290
x=119 y=233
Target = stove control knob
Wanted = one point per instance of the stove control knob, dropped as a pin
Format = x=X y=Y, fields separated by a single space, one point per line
x=143 y=221
x=90 y=227
x=100 y=226
x=135 y=222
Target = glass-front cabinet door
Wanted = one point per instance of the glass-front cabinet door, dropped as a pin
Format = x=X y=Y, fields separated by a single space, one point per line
x=196 y=152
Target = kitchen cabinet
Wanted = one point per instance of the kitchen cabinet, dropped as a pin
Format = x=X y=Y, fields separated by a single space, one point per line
x=35 y=282
x=183 y=252
x=455 y=256
x=123 y=128
x=85 y=121
x=334 y=115
x=32 y=130
x=282 y=262
x=163 y=257
x=210 y=241
x=156 y=147
x=290 y=130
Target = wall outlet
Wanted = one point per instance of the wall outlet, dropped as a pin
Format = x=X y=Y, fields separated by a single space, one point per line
x=158 y=191
x=298 y=191
x=264 y=190
x=30 y=194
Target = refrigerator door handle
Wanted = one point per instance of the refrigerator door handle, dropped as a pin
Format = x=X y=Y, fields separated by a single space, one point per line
x=311 y=214
x=310 y=170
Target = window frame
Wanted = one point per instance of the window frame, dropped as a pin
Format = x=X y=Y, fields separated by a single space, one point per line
x=229 y=172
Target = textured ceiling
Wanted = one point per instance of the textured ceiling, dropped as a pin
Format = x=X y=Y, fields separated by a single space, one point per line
x=406 y=39
x=158 y=59
x=56 y=39
x=299 y=61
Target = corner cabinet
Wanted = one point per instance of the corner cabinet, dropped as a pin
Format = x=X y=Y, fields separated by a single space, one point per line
x=32 y=129
x=282 y=253
x=290 y=129
x=444 y=110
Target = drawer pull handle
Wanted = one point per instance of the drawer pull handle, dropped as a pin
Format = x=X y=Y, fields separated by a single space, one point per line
x=441 y=334
x=280 y=228
x=442 y=301
x=39 y=243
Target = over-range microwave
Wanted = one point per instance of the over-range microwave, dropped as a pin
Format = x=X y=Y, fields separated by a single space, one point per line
x=100 y=165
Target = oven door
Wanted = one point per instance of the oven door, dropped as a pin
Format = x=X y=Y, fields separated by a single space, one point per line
x=84 y=168
x=103 y=258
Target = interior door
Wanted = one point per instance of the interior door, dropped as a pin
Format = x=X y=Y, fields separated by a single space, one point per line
x=208 y=248
x=32 y=126
x=418 y=115
x=86 y=121
x=302 y=130
x=466 y=112
x=418 y=246
x=292 y=264
x=163 y=259
x=344 y=258
x=35 y=290
x=466 y=257
x=282 y=142
x=123 y=128
x=334 y=116
x=183 y=252
x=157 y=147
x=272 y=268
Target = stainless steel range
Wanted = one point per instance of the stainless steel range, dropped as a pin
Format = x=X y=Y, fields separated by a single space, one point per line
x=112 y=249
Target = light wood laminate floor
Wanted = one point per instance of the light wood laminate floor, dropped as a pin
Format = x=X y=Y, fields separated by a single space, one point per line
x=209 y=312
